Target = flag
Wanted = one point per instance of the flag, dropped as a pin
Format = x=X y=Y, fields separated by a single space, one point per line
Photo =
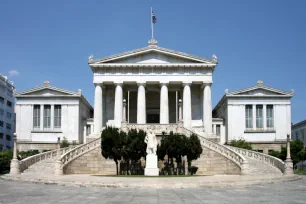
x=153 y=18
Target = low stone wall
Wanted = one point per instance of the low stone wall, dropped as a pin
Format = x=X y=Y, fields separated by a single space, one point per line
x=91 y=163
x=26 y=146
x=210 y=163
x=265 y=147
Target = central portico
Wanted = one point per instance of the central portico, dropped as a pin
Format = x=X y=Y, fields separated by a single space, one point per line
x=145 y=86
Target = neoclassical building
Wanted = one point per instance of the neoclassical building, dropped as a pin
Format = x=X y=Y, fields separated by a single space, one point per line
x=259 y=114
x=46 y=112
x=151 y=81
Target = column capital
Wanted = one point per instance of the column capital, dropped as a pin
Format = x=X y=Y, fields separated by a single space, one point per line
x=98 y=84
x=141 y=83
x=186 y=83
x=206 y=84
x=118 y=83
x=166 y=83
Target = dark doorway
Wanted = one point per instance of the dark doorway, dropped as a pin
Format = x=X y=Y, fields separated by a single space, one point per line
x=153 y=118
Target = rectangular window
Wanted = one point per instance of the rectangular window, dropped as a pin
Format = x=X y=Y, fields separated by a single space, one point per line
x=248 y=116
x=8 y=137
x=218 y=129
x=1 y=112
x=9 y=115
x=8 y=126
x=1 y=135
x=9 y=104
x=1 y=100
x=57 y=116
x=259 y=116
x=88 y=129
x=1 y=123
x=47 y=116
x=36 y=116
x=270 y=116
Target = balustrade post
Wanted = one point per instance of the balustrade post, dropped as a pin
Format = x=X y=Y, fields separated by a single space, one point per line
x=244 y=167
x=124 y=122
x=180 y=119
x=58 y=163
x=288 y=162
x=15 y=165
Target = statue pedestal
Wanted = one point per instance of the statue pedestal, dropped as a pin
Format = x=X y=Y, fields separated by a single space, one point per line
x=151 y=165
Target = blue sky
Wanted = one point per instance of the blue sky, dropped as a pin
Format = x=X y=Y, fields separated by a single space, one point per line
x=51 y=40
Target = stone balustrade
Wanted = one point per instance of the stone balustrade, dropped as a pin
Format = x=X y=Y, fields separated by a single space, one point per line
x=232 y=155
x=29 y=161
x=156 y=128
x=264 y=158
x=79 y=151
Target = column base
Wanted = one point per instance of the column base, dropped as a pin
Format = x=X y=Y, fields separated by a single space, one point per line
x=15 y=167
x=151 y=172
x=288 y=167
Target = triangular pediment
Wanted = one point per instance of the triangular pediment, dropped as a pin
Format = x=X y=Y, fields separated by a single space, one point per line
x=46 y=91
x=260 y=90
x=152 y=55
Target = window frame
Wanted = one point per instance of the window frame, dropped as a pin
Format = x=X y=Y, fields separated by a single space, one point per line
x=259 y=116
x=47 y=117
x=248 y=116
x=36 y=116
x=57 y=116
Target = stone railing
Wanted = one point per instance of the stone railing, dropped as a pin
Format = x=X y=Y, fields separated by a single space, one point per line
x=156 y=128
x=232 y=155
x=79 y=151
x=29 y=161
x=264 y=158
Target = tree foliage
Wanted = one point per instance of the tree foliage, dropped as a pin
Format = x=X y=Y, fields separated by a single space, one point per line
x=5 y=161
x=126 y=148
x=241 y=143
x=297 y=151
x=176 y=146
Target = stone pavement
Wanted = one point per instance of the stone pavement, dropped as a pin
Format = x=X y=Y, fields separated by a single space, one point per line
x=85 y=180
x=289 y=192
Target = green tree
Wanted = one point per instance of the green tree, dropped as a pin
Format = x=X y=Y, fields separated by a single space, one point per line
x=241 y=143
x=112 y=144
x=194 y=149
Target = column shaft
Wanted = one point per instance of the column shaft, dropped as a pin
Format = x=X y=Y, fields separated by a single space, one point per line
x=164 y=105
x=98 y=109
x=187 y=105
x=141 y=104
x=254 y=116
x=264 y=117
x=118 y=105
x=52 y=117
x=207 y=108
x=41 y=117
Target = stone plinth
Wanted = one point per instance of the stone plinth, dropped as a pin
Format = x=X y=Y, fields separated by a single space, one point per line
x=151 y=165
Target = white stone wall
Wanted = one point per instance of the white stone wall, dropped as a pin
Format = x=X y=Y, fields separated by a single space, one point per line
x=74 y=113
x=236 y=119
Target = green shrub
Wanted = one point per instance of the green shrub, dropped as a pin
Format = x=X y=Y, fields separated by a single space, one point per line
x=64 y=143
x=24 y=154
x=241 y=143
x=5 y=161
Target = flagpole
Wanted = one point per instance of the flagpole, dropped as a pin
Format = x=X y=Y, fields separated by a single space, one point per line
x=152 y=23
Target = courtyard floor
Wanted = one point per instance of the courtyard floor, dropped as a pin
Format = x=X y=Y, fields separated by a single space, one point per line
x=288 y=192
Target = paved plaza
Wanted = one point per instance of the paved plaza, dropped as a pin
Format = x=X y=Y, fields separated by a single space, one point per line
x=289 y=192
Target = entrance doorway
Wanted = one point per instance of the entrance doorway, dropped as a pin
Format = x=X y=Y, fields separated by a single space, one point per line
x=152 y=118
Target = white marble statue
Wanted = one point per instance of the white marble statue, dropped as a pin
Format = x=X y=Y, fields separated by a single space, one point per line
x=151 y=143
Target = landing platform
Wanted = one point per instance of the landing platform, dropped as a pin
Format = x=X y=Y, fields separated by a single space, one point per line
x=85 y=180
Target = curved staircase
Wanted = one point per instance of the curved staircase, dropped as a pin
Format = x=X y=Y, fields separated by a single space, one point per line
x=248 y=162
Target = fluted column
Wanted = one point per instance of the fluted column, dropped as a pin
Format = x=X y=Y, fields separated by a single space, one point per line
x=187 y=104
x=207 y=108
x=98 y=120
x=118 y=105
x=141 y=104
x=288 y=162
x=164 y=104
